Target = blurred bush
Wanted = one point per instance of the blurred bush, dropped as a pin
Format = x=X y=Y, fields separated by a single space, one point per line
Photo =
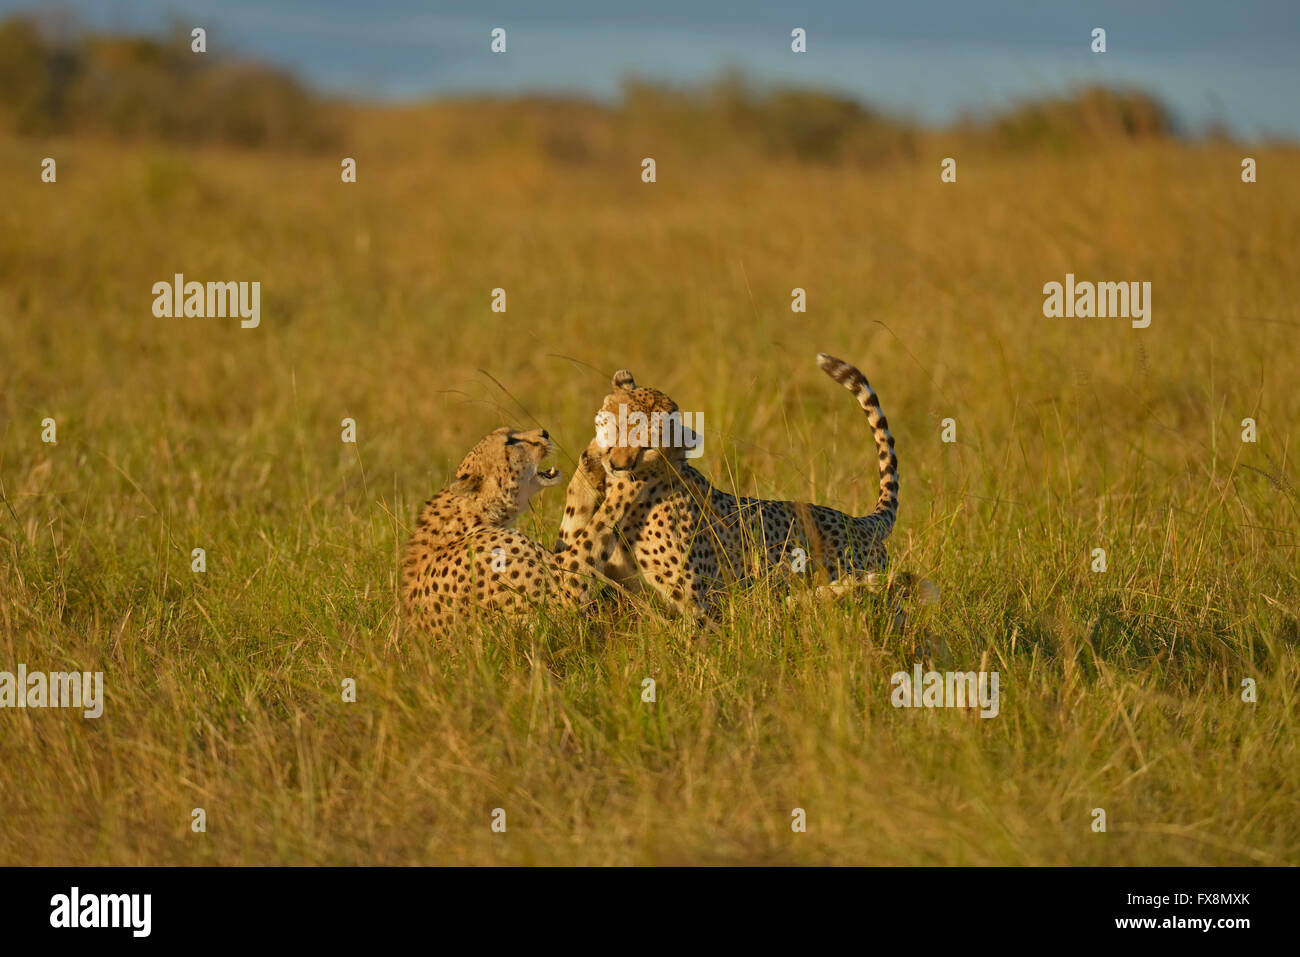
x=1090 y=115
x=62 y=81
x=730 y=113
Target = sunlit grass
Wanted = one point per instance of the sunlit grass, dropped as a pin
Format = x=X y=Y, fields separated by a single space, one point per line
x=1119 y=690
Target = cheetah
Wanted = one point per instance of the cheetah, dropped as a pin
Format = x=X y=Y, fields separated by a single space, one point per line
x=689 y=539
x=464 y=559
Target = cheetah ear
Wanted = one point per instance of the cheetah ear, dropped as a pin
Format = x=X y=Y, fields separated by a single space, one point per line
x=469 y=482
x=623 y=380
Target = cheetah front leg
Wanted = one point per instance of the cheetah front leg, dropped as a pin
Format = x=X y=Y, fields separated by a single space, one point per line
x=598 y=546
x=688 y=593
x=583 y=499
x=583 y=496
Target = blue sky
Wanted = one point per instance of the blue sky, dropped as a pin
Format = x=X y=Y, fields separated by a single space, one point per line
x=1231 y=61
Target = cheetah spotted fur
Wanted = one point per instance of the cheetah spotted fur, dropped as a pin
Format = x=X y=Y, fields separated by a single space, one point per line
x=464 y=560
x=689 y=539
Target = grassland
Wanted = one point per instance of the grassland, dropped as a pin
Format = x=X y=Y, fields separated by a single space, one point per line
x=1120 y=690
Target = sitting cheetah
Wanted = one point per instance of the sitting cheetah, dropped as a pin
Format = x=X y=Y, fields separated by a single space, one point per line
x=464 y=558
x=690 y=539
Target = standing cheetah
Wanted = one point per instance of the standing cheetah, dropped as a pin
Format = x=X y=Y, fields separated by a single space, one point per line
x=464 y=560
x=690 y=539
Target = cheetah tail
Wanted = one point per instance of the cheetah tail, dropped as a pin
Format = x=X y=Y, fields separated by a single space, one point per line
x=886 y=509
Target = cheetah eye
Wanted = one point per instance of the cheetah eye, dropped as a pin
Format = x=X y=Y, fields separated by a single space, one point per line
x=511 y=440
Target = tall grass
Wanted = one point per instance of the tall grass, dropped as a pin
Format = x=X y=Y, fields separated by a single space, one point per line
x=1120 y=690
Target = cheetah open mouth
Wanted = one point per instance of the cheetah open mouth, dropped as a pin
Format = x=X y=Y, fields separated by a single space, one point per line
x=548 y=477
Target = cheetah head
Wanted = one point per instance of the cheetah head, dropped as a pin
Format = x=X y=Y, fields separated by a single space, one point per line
x=504 y=470
x=634 y=432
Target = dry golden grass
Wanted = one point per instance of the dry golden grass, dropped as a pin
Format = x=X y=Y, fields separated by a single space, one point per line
x=1120 y=690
